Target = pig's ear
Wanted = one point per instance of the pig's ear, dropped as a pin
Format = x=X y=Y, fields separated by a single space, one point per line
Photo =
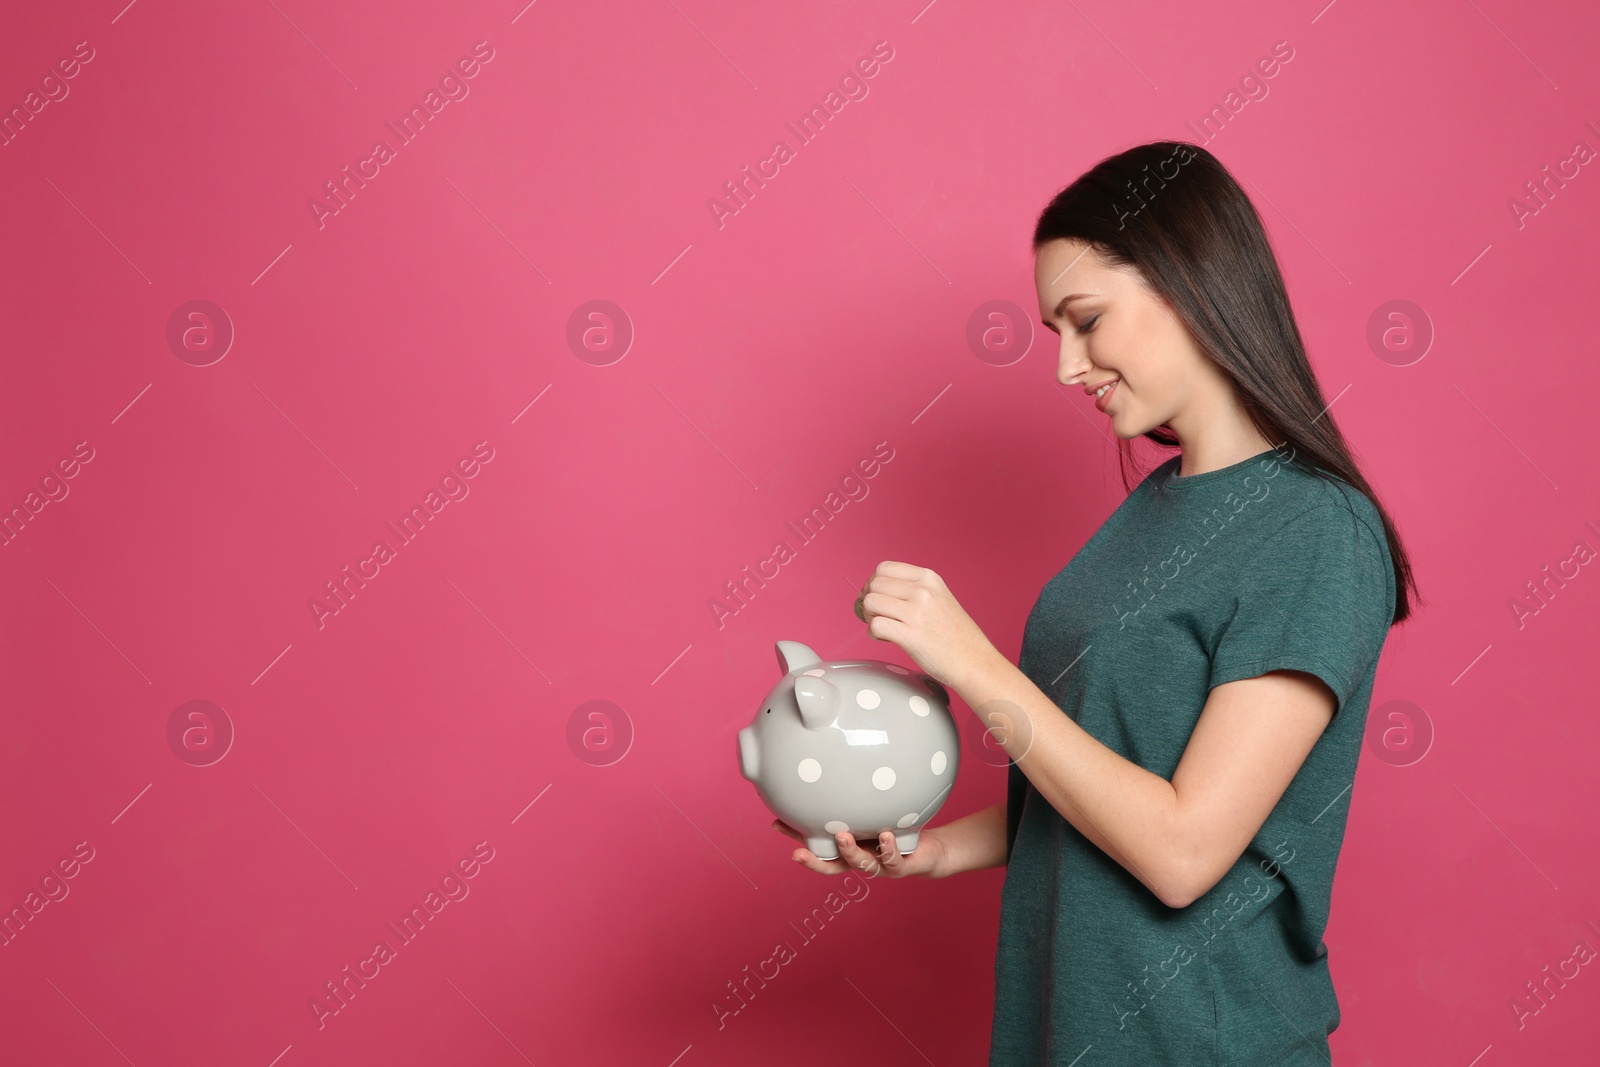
x=793 y=656
x=818 y=700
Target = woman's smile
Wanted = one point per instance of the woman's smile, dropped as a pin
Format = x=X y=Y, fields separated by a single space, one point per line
x=1102 y=395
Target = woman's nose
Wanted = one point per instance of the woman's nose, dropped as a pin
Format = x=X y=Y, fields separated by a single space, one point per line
x=1070 y=363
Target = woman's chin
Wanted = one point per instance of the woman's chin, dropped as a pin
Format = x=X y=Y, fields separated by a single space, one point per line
x=1129 y=435
x=1129 y=427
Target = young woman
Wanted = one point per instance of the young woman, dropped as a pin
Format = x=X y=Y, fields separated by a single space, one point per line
x=1185 y=717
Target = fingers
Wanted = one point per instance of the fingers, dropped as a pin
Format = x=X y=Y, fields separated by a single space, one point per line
x=854 y=855
x=884 y=605
x=897 y=580
x=875 y=858
x=901 y=588
x=805 y=855
x=821 y=866
x=889 y=858
x=883 y=628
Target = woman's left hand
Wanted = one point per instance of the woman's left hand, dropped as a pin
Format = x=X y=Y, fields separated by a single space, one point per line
x=912 y=607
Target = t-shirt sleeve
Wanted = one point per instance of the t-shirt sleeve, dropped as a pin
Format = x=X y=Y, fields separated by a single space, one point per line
x=1316 y=597
x=1016 y=793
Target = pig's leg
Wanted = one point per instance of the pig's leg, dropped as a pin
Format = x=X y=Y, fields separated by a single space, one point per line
x=906 y=843
x=824 y=847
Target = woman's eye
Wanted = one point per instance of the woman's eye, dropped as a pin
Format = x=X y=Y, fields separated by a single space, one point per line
x=1089 y=325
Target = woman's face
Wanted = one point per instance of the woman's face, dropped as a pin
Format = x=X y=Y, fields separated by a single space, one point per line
x=1116 y=330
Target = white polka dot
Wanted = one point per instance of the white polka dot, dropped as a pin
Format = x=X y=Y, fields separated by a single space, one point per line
x=907 y=820
x=919 y=705
x=883 y=778
x=868 y=698
x=815 y=672
x=835 y=827
x=897 y=670
x=939 y=761
x=810 y=770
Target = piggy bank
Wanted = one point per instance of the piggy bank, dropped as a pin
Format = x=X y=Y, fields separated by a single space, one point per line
x=855 y=745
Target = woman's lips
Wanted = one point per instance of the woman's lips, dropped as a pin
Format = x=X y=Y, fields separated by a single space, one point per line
x=1101 y=401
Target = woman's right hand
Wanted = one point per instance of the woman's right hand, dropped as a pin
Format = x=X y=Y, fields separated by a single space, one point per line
x=885 y=859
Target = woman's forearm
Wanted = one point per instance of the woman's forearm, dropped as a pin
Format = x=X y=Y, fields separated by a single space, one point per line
x=972 y=842
x=1126 y=810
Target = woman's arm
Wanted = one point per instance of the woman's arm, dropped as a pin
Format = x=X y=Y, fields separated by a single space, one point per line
x=971 y=843
x=1179 y=837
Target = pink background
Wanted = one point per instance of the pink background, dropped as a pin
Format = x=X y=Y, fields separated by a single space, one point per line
x=770 y=353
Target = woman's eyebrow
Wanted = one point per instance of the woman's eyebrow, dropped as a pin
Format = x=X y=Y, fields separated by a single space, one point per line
x=1061 y=307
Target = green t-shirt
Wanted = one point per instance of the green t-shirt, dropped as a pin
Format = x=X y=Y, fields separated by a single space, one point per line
x=1190 y=583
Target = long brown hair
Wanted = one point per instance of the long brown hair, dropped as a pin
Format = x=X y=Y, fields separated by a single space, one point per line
x=1170 y=210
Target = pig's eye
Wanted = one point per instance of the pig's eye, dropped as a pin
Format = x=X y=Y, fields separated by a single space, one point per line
x=769 y=711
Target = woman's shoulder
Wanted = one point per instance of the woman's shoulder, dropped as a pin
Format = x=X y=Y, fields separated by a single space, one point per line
x=1320 y=508
x=1306 y=488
